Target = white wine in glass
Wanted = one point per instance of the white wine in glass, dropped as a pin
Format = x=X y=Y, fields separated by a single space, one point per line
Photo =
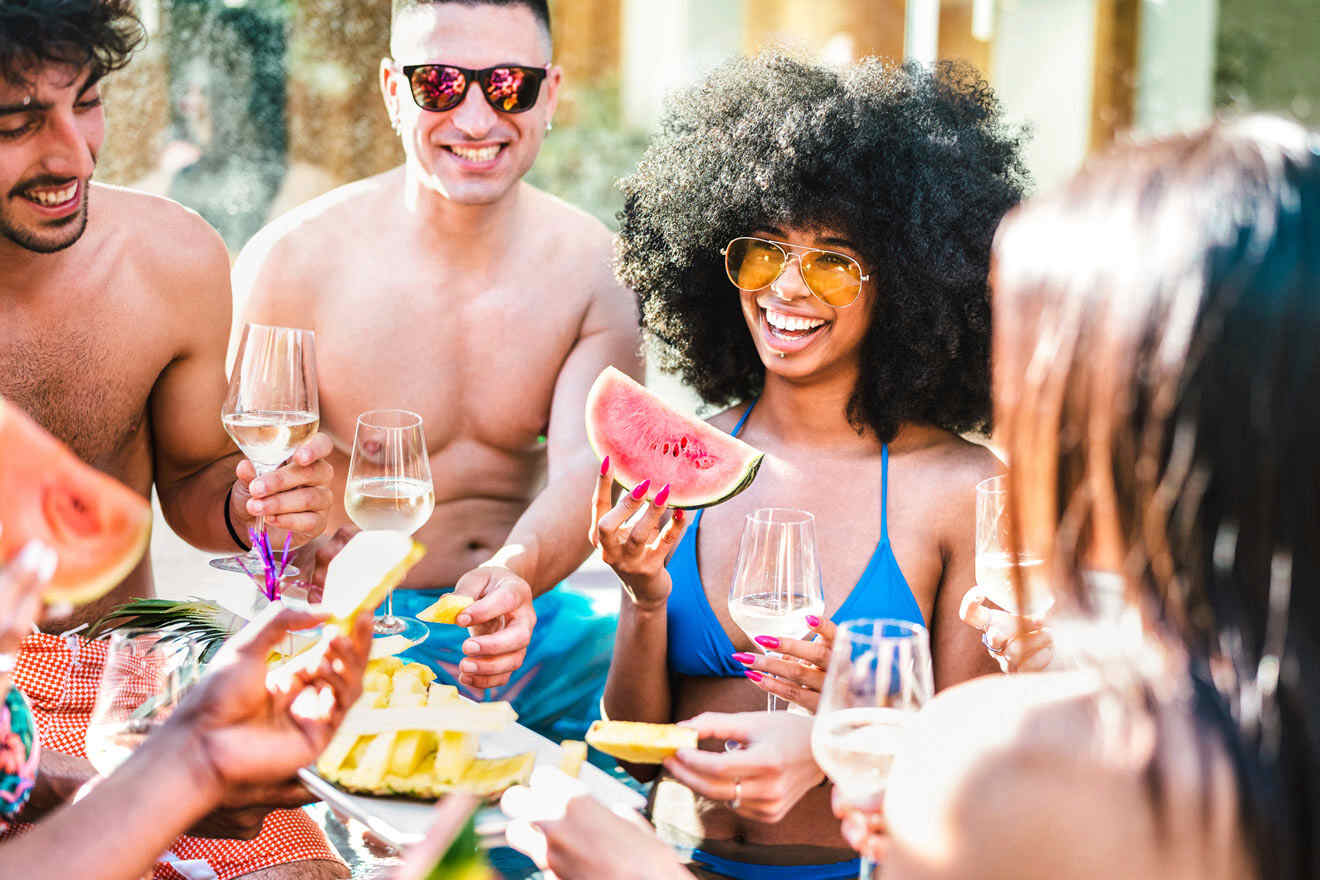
x=879 y=676
x=996 y=561
x=144 y=677
x=776 y=581
x=389 y=487
x=271 y=409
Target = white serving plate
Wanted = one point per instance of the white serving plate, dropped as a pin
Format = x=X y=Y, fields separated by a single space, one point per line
x=400 y=821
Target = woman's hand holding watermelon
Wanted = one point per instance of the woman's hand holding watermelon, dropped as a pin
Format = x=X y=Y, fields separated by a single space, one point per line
x=636 y=552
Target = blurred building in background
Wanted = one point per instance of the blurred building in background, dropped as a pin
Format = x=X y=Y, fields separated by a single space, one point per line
x=245 y=108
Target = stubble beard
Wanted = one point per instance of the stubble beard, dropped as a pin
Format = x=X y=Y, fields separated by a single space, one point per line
x=40 y=244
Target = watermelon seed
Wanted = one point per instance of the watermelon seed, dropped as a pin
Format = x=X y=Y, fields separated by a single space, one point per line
x=683 y=443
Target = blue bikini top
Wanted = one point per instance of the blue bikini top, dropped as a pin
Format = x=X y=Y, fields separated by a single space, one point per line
x=698 y=644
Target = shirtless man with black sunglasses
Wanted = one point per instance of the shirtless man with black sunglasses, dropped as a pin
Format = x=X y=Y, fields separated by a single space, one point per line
x=451 y=287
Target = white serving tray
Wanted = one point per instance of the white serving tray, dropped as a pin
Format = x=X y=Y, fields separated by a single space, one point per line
x=400 y=821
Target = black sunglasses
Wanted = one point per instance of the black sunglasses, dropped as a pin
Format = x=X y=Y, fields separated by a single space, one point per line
x=509 y=88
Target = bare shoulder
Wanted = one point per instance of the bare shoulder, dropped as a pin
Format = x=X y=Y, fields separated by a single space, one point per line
x=291 y=253
x=170 y=242
x=948 y=467
x=1045 y=776
x=582 y=245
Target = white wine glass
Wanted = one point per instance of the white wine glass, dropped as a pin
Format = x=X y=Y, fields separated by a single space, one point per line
x=998 y=564
x=389 y=487
x=879 y=676
x=776 y=582
x=270 y=410
x=145 y=676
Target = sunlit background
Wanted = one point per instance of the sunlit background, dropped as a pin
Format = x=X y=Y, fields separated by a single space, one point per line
x=243 y=109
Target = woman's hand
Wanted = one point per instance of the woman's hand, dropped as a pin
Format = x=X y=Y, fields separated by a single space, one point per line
x=259 y=725
x=21 y=582
x=1019 y=644
x=798 y=675
x=865 y=830
x=638 y=553
x=764 y=779
x=561 y=828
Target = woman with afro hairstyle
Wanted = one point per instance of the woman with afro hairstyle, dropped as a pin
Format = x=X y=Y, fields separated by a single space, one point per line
x=810 y=247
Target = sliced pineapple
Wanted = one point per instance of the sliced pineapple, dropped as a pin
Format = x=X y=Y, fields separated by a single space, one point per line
x=572 y=753
x=638 y=742
x=409 y=736
x=455 y=751
x=445 y=609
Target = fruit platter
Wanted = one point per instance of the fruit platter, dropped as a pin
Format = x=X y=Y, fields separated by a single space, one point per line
x=409 y=741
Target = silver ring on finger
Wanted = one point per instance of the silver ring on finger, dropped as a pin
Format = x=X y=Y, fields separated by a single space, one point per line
x=994 y=652
x=737 y=795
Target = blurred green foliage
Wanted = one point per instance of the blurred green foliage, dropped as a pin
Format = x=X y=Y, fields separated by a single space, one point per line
x=590 y=148
x=1267 y=57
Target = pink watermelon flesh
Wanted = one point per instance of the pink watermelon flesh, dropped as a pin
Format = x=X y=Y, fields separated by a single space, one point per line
x=646 y=439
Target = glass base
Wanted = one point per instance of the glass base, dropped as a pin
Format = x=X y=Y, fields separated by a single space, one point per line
x=388 y=626
x=253 y=562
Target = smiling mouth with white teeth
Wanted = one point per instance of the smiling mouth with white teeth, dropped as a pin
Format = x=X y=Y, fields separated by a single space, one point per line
x=52 y=198
x=791 y=327
x=476 y=154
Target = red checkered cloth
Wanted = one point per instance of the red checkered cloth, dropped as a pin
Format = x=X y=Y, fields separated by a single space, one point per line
x=59 y=676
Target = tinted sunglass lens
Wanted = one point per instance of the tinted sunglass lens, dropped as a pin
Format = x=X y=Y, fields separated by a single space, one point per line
x=512 y=89
x=436 y=87
x=752 y=264
x=834 y=278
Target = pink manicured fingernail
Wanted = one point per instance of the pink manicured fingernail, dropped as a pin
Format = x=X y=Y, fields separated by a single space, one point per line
x=767 y=641
x=678 y=516
x=471 y=646
x=605 y=466
x=813 y=621
x=752 y=674
x=468 y=666
x=744 y=658
x=640 y=491
x=662 y=496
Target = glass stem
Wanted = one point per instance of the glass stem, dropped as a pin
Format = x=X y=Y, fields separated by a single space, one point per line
x=260 y=525
x=773 y=703
x=389 y=605
x=870 y=870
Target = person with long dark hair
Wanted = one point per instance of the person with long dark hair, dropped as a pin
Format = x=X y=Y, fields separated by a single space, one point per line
x=1155 y=376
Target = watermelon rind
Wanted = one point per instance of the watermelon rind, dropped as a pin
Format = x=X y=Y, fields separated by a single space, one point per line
x=737 y=450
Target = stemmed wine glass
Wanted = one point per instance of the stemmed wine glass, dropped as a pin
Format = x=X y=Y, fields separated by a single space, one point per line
x=271 y=408
x=996 y=560
x=776 y=582
x=144 y=677
x=389 y=487
x=879 y=675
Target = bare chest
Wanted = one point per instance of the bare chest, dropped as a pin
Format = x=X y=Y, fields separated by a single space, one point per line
x=479 y=365
x=87 y=379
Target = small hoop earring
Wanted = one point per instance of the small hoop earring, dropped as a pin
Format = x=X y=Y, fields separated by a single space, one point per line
x=549 y=126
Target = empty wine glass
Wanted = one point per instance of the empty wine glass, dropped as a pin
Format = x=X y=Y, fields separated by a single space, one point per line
x=271 y=408
x=145 y=676
x=776 y=582
x=879 y=675
x=389 y=487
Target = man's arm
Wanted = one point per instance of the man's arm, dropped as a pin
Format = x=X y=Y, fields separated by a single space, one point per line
x=549 y=541
x=196 y=463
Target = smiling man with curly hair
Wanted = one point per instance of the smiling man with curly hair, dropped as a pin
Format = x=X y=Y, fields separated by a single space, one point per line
x=811 y=244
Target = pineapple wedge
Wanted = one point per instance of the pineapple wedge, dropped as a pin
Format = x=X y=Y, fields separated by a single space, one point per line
x=572 y=753
x=455 y=751
x=638 y=742
x=488 y=777
x=445 y=609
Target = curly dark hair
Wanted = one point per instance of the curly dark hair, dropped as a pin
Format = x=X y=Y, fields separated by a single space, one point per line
x=97 y=34
x=914 y=165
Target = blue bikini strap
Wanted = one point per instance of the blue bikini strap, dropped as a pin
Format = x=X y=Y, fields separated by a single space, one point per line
x=742 y=420
x=884 y=492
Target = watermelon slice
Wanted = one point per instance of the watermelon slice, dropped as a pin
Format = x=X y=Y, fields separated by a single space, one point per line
x=97 y=527
x=646 y=439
